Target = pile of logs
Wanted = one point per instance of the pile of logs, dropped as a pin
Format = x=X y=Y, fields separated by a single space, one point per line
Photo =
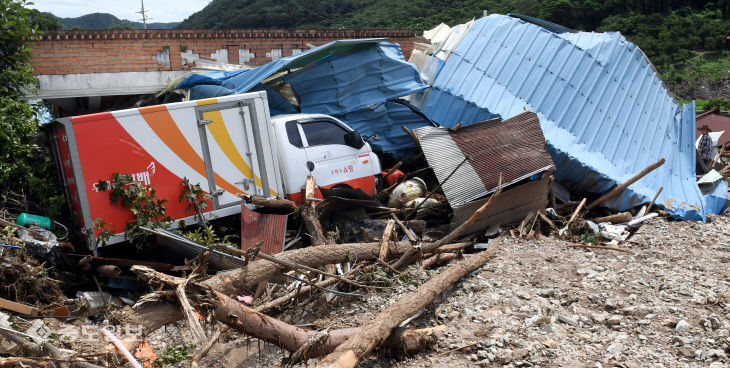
x=214 y=297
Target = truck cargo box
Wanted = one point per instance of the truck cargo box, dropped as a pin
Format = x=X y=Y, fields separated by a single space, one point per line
x=225 y=144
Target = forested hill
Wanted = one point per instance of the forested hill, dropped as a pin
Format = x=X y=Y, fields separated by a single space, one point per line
x=685 y=39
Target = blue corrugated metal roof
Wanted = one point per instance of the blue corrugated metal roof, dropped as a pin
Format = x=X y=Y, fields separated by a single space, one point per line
x=385 y=120
x=342 y=84
x=357 y=86
x=604 y=111
x=240 y=81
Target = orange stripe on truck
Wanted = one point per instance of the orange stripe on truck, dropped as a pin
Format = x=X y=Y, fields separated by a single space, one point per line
x=222 y=136
x=160 y=121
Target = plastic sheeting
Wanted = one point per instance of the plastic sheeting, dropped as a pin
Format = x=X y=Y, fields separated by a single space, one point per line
x=385 y=120
x=241 y=81
x=355 y=80
x=342 y=84
x=604 y=111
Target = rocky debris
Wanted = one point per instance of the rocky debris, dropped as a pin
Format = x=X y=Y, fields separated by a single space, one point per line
x=539 y=303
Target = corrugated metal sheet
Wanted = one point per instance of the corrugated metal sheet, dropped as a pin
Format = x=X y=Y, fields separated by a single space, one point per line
x=344 y=83
x=256 y=227
x=509 y=208
x=241 y=81
x=385 y=119
x=604 y=111
x=514 y=147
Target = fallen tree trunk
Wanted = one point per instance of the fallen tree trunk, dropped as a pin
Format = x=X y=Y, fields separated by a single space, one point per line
x=374 y=333
x=242 y=281
x=253 y=323
x=439 y=259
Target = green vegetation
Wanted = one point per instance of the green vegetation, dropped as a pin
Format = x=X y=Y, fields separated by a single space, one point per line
x=173 y=355
x=27 y=173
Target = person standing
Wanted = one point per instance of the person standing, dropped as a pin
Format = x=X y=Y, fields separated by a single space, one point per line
x=704 y=148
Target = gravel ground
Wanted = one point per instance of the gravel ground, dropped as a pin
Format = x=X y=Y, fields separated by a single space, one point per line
x=539 y=303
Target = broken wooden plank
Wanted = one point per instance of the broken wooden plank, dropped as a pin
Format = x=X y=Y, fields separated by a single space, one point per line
x=623 y=186
x=18 y=307
x=385 y=239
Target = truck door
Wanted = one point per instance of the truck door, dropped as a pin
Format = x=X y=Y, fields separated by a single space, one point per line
x=233 y=155
x=334 y=160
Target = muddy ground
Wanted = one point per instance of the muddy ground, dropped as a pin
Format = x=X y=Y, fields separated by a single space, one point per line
x=539 y=303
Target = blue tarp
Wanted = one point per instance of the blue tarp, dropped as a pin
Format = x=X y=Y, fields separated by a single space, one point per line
x=357 y=86
x=385 y=119
x=603 y=109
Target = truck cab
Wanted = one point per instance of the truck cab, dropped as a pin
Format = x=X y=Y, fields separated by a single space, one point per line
x=325 y=147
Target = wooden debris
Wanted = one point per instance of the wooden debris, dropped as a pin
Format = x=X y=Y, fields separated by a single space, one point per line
x=280 y=204
x=546 y=220
x=385 y=239
x=403 y=227
x=438 y=259
x=651 y=204
x=18 y=308
x=615 y=219
x=374 y=333
x=253 y=323
x=623 y=186
x=409 y=256
x=206 y=348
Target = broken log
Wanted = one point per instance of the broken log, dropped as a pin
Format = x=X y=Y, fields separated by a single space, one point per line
x=242 y=281
x=623 y=186
x=439 y=259
x=615 y=219
x=385 y=239
x=451 y=248
x=648 y=209
x=256 y=324
x=374 y=333
x=273 y=203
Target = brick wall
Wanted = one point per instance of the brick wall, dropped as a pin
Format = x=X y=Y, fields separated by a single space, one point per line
x=72 y=52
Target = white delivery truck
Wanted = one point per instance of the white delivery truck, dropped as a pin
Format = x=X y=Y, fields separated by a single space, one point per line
x=229 y=145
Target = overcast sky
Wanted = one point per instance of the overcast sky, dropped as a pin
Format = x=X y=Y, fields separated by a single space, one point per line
x=159 y=10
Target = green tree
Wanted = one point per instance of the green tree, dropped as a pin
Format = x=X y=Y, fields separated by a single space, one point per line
x=44 y=20
x=25 y=168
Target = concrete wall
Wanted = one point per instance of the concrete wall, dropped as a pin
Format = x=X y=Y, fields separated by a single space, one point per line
x=124 y=51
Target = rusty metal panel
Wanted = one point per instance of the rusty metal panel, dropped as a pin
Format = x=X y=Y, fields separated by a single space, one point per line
x=509 y=208
x=514 y=147
x=256 y=227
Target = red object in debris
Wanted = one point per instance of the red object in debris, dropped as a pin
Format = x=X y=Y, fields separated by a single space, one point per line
x=269 y=228
x=391 y=179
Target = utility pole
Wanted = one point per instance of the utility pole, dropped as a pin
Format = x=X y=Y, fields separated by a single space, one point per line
x=144 y=15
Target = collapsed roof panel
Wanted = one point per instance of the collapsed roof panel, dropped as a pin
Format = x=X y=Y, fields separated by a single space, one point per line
x=604 y=111
x=514 y=147
x=342 y=84
x=241 y=81
x=385 y=120
x=354 y=80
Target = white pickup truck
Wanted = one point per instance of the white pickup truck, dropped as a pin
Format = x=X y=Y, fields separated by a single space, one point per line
x=229 y=145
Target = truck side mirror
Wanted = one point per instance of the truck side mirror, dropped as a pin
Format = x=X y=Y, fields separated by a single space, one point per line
x=353 y=139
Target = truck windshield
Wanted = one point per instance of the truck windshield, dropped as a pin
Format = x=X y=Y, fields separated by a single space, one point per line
x=324 y=132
